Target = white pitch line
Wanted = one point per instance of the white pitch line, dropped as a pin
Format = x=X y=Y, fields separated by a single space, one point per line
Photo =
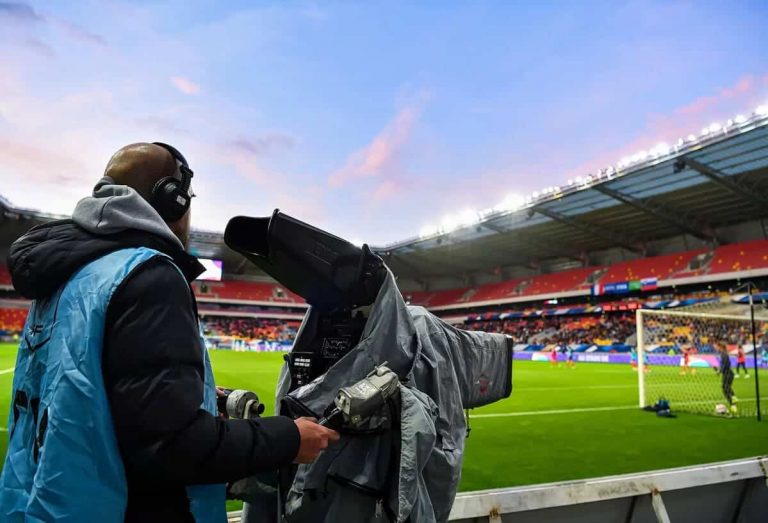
x=551 y=411
x=592 y=409
x=7 y=371
x=521 y=388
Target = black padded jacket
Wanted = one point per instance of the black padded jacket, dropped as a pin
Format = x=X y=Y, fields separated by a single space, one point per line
x=153 y=372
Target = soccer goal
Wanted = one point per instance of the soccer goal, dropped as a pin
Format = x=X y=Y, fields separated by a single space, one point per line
x=683 y=357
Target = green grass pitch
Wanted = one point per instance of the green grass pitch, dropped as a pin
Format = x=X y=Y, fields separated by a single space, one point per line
x=541 y=435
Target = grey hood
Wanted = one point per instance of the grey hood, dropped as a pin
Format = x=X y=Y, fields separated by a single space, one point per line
x=115 y=208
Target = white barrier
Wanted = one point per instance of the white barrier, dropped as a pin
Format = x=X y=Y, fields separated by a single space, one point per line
x=733 y=491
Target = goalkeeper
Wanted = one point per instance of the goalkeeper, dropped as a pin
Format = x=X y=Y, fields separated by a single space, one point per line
x=726 y=375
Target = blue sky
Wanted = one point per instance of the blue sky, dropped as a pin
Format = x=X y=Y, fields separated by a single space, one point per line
x=370 y=119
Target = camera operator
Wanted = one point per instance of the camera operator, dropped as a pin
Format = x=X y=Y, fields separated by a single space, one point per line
x=114 y=415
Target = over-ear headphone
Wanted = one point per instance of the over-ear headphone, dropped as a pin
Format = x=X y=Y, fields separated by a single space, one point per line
x=171 y=196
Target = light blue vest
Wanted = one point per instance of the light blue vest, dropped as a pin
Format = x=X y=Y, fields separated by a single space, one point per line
x=63 y=462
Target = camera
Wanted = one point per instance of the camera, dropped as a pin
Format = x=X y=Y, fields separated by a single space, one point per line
x=333 y=275
x=240 y=404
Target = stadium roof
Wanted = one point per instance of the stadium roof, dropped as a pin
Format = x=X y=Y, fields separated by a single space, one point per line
x=16 y=221
x=695 y=188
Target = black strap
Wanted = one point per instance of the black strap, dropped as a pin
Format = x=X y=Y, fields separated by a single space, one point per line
x=40 y=435
x=19 y=402
x=469 y=429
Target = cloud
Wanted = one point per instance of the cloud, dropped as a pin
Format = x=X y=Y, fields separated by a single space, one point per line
x=185 y=85
x=386 y=190
x=263 y=144
x=20 y=12
x=706 y=103
x=78 y=33
x=39 y=47
x=376 y=158
x=691 y=117
x=23 y=13
x=160 y=124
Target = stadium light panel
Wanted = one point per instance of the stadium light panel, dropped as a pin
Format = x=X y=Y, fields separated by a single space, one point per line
x=762 y=110
x=713 y=128
x=511 y=202
x=468 y=217
x=691 y=137
x=740 y=119
x=428 y=230
x=449 y=224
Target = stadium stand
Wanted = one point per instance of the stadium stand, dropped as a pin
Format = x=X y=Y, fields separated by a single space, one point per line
x=560 y=281
x=587 y=330
x=12 y=320
x=251 y=328
x=740 y=257
x=726 y=259
x=236 y=290
x=579 y=324
x=661 y=267
x=438 y=298
x=5 y=277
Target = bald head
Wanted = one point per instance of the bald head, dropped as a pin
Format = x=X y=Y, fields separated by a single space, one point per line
x=140 y=166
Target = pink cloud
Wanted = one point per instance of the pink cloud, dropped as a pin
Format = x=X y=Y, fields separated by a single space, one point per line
x=375 y=158
x=385 y=190
x=706 y=103
x=263 y=144
x=689 y=118
x=185 y=85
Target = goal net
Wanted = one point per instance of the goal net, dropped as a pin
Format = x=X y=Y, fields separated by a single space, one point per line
x=683 y=356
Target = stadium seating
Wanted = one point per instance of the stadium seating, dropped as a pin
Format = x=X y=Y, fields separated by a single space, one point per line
x=495 y=291
x=245 y=291
x=728 y=258
x=661 y=267
x=607 y=329
x=12 y=320
x=252 y=328
x=437 y=298
x=740 y=257
x=5 y=277
x=560 y=281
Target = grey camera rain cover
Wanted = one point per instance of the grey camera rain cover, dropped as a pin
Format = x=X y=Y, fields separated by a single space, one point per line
x=414 y=470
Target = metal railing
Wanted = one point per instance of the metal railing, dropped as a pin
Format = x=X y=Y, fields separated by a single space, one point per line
x=726 y=491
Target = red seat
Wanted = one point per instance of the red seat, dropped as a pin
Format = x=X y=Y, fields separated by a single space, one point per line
x=740 y=257
x=245 y=291
x=12 y=319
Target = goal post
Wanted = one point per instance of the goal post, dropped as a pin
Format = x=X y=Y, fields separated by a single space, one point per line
x=680 y=355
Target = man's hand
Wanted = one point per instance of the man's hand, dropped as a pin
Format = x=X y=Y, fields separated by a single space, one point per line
x=314 y=439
